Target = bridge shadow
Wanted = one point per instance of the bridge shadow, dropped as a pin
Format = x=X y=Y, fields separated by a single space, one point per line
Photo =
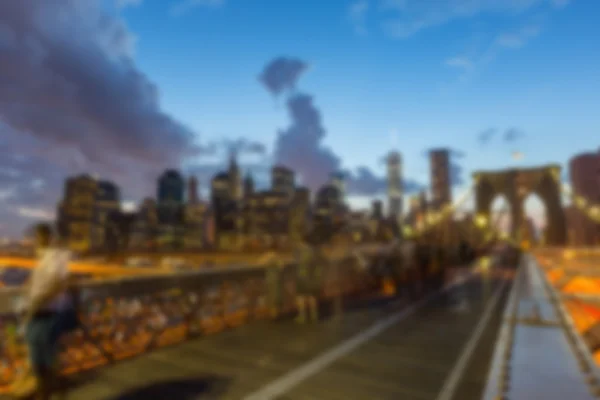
x=203 y=387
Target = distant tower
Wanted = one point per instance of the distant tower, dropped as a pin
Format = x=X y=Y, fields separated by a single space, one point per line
x=193 y=190
x=235 y=178
x=394 y=163
x=337 y=181
x=440 y=178
x=248 y=186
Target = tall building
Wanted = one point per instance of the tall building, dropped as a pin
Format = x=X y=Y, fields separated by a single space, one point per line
x=108 y=205
x=377 y=209
x=248 y=186
x=193 y=197
x=235 y=178
x=337 y=180
x=283 y=180
x=84 y=212
x=145 y=226
x=171 y=188
x=300 y=215
x=440 y=178
x=171 y=210
x=225 y=209
x=394 y=175
x=584 y=171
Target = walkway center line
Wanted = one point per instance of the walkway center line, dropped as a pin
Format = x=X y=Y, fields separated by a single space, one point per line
x=319 y=363
x=452 y=381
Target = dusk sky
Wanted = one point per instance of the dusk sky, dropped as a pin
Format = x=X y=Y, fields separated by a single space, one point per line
x=126 y=88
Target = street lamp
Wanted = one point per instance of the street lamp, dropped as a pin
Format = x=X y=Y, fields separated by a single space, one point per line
x=481 y=221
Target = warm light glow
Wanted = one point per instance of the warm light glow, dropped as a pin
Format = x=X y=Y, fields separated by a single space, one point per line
x=481 y=221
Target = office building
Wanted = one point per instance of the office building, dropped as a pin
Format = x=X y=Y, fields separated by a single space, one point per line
x=395 y=193
x=584 y=171
x=440 y=178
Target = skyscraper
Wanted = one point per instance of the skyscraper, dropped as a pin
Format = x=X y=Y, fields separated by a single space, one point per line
x=337 y=180
x=235 y=178
x=193 y=190
x=584 y=171
x=440 y=178
x=283 y=180
x=394 y=164
x=171 y=187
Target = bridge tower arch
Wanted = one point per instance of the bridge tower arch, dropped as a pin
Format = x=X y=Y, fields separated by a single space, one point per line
x=516 y=185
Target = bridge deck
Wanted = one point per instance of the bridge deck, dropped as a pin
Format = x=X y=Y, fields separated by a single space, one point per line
x=382 y=352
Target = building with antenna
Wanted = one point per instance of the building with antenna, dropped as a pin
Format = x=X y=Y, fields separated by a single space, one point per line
x=395 y=192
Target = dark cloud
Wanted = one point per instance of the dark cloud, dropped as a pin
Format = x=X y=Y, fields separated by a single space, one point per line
x=512 y=135
x=282 y=74
x=72 y=100
x=485 y=136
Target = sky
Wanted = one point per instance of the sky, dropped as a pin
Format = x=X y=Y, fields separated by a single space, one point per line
x=123 y=89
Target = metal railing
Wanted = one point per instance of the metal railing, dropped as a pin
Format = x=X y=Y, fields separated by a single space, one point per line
x=128 y=316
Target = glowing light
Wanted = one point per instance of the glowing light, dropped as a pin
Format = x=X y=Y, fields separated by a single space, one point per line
x=481 y=221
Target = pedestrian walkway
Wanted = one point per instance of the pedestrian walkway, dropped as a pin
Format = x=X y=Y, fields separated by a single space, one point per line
x=536 y=356
x=379 y=351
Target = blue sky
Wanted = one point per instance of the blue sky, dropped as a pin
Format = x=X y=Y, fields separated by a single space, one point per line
x=404 y=74
x=436 y=74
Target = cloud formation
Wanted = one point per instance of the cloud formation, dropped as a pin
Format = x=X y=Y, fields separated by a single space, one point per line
x=413 y=16
x=282 y=74
x=357 y=14
x=74 y=103
x=485 y=136
x=300 y=146
x=510 y=135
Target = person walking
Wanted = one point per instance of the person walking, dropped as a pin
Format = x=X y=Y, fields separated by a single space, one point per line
x=49 y=313
x=308 y=283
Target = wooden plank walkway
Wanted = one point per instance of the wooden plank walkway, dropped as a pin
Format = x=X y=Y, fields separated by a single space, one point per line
x=410 y=360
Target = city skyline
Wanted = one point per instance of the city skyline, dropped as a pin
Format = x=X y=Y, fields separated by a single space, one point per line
x=499 y=83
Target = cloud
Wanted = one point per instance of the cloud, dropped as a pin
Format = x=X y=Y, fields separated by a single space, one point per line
x=282 y=74
x=519 y=38
x=300 y=146
x=357 y=14
x=185 y=6
x=513 y=135
x=72 y=100
x=413 y=16
x=485 y=136
x=462 y=63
